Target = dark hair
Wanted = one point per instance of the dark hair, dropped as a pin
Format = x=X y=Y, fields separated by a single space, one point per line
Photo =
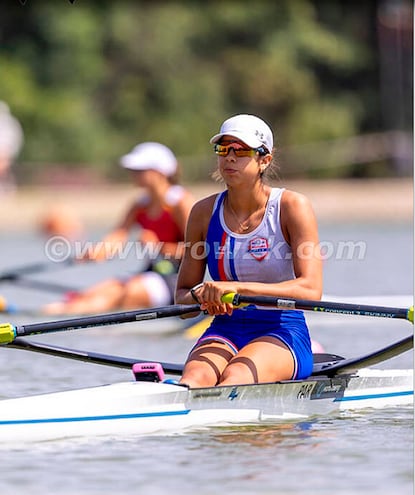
x=271 y=173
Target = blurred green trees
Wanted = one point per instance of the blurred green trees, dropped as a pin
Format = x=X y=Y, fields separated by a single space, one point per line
x=89 y=80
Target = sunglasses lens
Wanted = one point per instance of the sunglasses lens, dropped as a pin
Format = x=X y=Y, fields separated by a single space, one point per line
x=244 y=152
x=239 y=152
x=221 y=150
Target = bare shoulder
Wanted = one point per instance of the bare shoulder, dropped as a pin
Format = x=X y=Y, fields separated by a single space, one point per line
x=289 y=196
x=140 y=204
x=296 y=214
x=202 y=212
x=292 y=200
x=205 y=205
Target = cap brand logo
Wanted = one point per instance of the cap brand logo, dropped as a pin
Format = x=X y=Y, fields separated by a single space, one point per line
x=259 y=134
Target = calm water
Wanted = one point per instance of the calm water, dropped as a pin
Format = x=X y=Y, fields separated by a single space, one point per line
x=369 y=452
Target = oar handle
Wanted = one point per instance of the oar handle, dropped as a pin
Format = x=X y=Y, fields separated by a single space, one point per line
x=239 y=300
x=9 y=332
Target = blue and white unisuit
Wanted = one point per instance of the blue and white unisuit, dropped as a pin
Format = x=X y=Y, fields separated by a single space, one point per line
x=262 y=255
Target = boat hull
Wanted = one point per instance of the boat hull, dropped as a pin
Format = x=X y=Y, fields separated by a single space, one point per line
x=140 y=408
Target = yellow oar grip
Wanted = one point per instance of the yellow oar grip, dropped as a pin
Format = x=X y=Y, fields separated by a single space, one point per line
x=411 y=314
x=229 y=297
x=7 y=333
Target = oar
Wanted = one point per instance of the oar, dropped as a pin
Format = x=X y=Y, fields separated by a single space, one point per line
x=17 y=276
x=88 y=356
x=16 y=273
x=43 y=285
x=354 y=364
x=321 y=306
x=125 y=362
x=324 y=364
x=9 y=332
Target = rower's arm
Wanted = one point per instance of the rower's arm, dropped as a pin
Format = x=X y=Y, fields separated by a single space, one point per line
x=193 y=266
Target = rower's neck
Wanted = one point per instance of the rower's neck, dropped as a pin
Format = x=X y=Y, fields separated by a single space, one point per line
x=248 y=200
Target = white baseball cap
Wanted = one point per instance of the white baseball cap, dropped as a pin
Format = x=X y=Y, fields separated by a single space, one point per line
x=150 y=156
x=249 y=129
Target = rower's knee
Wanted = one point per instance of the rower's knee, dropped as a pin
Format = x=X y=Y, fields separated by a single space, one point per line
x=198 y=380
x=241 y=370
x=198 y=377
x=135 y=294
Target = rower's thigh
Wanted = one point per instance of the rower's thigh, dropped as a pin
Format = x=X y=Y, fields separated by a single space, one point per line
x=207 y=361
x=262 y=360
x=147 y=289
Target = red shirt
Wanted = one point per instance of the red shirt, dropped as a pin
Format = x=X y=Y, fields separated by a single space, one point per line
x=164 y=226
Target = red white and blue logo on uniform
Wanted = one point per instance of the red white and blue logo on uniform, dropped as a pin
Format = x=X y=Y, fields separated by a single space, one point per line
x=258 y=248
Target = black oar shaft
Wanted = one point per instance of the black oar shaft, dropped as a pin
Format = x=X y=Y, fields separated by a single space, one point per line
x=43 y=285
x=18 y=272
x=88 y=356
x=106 y=319
x=34 y=268
x=323 y=306
x=354 y=364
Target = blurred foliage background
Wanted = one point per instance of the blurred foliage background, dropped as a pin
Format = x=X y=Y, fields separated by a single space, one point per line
x=90 y=79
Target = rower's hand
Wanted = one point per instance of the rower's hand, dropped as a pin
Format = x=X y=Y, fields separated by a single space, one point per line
x=210 y=297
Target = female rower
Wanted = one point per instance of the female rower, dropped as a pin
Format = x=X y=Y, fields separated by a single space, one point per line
x=161 y=214
x=255 y=240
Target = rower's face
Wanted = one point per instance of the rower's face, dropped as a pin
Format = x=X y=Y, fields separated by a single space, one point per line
x=237 y=161
x=146 y=178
